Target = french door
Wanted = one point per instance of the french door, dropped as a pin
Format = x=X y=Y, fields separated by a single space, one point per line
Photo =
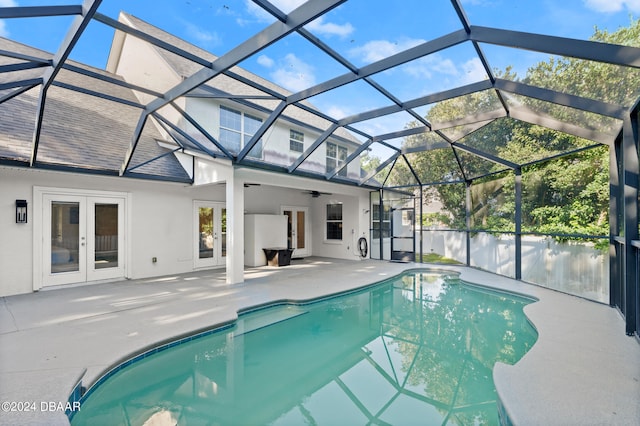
x=83 y=238
x=298 y=230
x=210 y=248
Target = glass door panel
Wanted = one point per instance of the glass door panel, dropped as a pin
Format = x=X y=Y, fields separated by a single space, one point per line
x=86 y=238
x=64 y=253
x=300 y=230
x=106 y=236
x=297 y=232
x=210 y=234
x=205 y=232
x=223 y=232
x=289 y=215
x=65 y=237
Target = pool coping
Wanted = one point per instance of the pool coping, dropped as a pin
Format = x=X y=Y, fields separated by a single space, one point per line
x=47 y=364
x=79 y=393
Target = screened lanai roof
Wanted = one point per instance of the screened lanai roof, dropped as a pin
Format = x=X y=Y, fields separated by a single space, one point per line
x=365 y=72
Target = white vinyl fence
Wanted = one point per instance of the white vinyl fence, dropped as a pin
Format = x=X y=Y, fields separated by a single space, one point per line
x=572 y=267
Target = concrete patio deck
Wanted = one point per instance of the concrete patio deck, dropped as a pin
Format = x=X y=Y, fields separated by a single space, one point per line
x=582 y=370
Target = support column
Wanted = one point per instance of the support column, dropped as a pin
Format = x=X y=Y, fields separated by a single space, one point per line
x=235 y=229
x=467 y=209
x=420 y=225
x=615 y=203
x=630 y=180
x=518 y=220
x=381 y=236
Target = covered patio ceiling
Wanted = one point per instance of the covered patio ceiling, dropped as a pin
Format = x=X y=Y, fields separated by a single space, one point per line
x=361 y=86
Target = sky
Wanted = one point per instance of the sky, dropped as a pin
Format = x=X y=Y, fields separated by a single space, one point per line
x=362 y=31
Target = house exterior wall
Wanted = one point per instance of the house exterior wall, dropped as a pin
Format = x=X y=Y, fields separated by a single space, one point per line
x=159 y=222
x=275 y=142
x=269 y=199
x=279 y=190
x=160 y=217
x=16 y=244
x=354 y=226
x=156 y=74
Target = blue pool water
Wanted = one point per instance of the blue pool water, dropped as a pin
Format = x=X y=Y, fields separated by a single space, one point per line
x=416 y=349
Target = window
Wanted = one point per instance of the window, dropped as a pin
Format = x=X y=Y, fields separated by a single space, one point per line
x=336 y=157
x=407 y=217
x=236 y=130
x=334 y=222
x=384 y=224
x=296 y=141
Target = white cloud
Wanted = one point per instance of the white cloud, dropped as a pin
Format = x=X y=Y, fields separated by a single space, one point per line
x=293 y=74
x=337 y=112
x=329 y=28
x=427 y=66
x=383 y=125
x=201 y=36
x=473 y=71
x=3 y=29
x=610 y=6
x=4 y=32
x=265 y=61
x=318 y=25
x=285 y=6
x=376 y=50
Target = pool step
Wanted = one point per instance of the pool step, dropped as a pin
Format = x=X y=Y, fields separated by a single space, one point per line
x=260 y=319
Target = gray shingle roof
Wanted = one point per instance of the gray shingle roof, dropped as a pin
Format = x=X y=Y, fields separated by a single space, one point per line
x=79 y=130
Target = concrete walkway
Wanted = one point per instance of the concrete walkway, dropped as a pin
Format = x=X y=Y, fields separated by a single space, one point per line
x=583 y=369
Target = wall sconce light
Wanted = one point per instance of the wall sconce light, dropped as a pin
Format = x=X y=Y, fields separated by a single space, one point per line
x=21 y=211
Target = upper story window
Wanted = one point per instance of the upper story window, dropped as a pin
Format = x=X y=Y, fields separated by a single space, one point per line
x=236 y=130
x=336 y=157
x=296 y=141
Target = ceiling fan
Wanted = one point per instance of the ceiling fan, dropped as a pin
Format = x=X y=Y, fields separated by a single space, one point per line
x=316 y=194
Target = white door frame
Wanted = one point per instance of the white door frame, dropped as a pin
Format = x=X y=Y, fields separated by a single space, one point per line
x=42 y=197
x=307 y=229
x=98 y=274
x=78 y=275
x=217 y=260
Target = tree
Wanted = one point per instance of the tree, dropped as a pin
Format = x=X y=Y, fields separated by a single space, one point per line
x=569 y=194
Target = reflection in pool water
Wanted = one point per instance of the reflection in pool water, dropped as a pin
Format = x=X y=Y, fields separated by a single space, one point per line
x=416 y=349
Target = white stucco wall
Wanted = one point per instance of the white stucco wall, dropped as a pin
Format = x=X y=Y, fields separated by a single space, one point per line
x=16 y=244
x=266 y=199
x=275 y=141
x=160 y=216
x=277 y=190
x=155 y=74
x=351 y=227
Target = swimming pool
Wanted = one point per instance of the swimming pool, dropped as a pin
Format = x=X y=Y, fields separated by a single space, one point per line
x=415 y=349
